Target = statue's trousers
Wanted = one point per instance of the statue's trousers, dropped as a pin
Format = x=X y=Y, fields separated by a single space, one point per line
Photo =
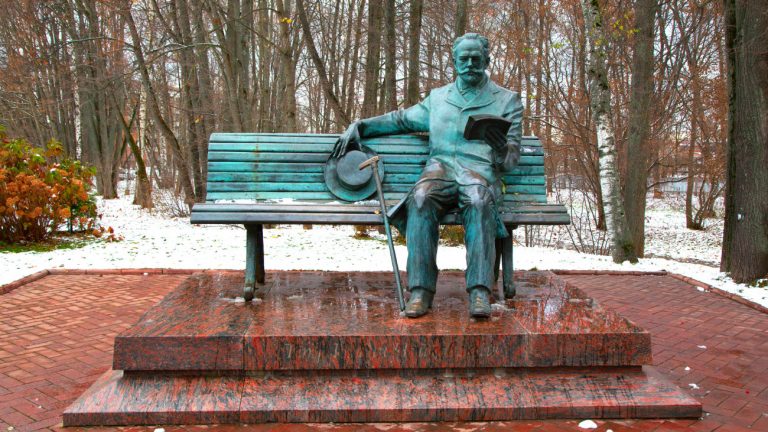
x=427 y=203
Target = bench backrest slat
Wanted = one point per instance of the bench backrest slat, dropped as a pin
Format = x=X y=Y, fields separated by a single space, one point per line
x=257 y=167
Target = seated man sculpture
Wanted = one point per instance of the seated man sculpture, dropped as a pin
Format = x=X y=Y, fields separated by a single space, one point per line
x=459 y=173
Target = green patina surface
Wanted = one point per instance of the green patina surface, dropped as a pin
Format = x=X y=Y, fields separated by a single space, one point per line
x=290 y=166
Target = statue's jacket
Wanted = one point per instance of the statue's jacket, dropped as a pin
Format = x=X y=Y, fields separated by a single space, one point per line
x=444 y=115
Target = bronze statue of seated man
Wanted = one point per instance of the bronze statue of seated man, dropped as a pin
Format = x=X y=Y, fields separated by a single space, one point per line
x=460 y=173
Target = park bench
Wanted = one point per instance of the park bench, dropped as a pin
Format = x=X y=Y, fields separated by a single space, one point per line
x=259 y=178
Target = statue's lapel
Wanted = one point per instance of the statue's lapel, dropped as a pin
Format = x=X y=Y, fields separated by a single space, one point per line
x=484 y=97
x=454 y=97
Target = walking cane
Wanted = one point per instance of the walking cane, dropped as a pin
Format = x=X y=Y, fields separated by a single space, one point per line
x=374 y=163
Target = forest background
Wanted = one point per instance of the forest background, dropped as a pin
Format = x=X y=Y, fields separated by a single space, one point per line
x=135 y=87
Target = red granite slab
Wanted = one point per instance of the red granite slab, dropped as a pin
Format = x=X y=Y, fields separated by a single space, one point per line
x=119 y=399
x=197 y=326
x=334 y=320
x=381 y=396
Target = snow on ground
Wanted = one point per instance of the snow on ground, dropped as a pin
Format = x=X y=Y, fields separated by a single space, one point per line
x=155 y=241
x=667 y=237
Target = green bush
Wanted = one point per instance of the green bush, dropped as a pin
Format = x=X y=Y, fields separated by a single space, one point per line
x=40 y=190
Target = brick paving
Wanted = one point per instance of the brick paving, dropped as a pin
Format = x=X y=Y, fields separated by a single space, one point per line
x=56 y=336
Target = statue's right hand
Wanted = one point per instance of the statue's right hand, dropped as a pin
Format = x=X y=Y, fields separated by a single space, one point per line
x=349 y=140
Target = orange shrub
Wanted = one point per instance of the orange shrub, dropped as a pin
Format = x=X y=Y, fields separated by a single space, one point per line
x=40 y=190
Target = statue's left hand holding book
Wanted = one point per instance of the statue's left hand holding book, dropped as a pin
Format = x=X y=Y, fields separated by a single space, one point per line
x=490 y=128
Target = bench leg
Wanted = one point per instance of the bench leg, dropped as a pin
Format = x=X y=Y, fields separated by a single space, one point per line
x=507 y=266
x=254 y=259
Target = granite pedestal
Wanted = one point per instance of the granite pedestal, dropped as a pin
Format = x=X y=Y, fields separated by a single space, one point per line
x=333 y=347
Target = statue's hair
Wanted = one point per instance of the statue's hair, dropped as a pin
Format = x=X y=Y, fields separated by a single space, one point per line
x=474 y=36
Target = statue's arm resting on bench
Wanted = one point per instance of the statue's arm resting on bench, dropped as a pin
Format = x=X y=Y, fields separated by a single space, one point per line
x=413 y=119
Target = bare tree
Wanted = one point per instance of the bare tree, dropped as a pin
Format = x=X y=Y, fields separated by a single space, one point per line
x=600 y=102
x=389 y=101
x=341 y=117
x=414 y=46
x=461 y=17
x=745 y=239
x=639 y=123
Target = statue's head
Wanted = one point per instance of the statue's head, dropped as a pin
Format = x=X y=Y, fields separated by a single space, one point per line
x=471 y=56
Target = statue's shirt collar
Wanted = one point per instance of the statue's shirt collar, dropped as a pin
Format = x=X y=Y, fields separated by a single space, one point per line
x=462 y=98
x=465 y=89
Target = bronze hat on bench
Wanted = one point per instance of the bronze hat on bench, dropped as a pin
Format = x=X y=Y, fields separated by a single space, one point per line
x=344 y=178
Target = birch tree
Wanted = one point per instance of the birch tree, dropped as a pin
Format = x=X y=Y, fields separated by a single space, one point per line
x=600 y=103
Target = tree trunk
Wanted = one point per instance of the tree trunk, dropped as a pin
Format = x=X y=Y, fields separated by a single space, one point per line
x=692 y=142
x=460 y=25
x=390 y=50
x=639 y=123
x=414 y=46
x=143 y=195
x=190 y=95
x=600 y=99
x=350 y=103
x=745 y=238
x=372 y=59
x=264 y=123
x=288 y=67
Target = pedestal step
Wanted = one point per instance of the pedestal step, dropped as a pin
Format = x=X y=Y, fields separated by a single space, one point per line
x=321 y=320
x=333 y=347
x=380 y=396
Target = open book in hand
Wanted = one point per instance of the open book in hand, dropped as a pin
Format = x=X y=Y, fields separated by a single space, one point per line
x=483 y=126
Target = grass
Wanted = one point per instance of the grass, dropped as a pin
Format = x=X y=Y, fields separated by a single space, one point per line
x=59 y=241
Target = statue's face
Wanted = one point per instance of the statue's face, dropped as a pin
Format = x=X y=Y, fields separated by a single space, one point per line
x=469 y=61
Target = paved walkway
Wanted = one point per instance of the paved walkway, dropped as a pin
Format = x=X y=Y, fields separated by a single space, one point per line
x=56 y=338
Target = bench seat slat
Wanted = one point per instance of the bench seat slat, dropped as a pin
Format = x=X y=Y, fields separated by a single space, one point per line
x=357 y=218
x=420 y=159
x=326 y=196
x=278 y=167
x=290 y=187
x=289 y=139
x=330 y=207
x=325 y=148
x=318 y=158
x=259 y=177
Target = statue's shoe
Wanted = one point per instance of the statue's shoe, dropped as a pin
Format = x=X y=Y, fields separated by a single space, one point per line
x=480 y=302
x=419 y=303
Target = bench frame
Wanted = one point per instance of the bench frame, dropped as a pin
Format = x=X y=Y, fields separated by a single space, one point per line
x=255 y=215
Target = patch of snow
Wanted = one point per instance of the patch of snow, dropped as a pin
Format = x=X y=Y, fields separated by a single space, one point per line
x=694 y=386
x=588 y=424
x=500 y=307
x=702 y=346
